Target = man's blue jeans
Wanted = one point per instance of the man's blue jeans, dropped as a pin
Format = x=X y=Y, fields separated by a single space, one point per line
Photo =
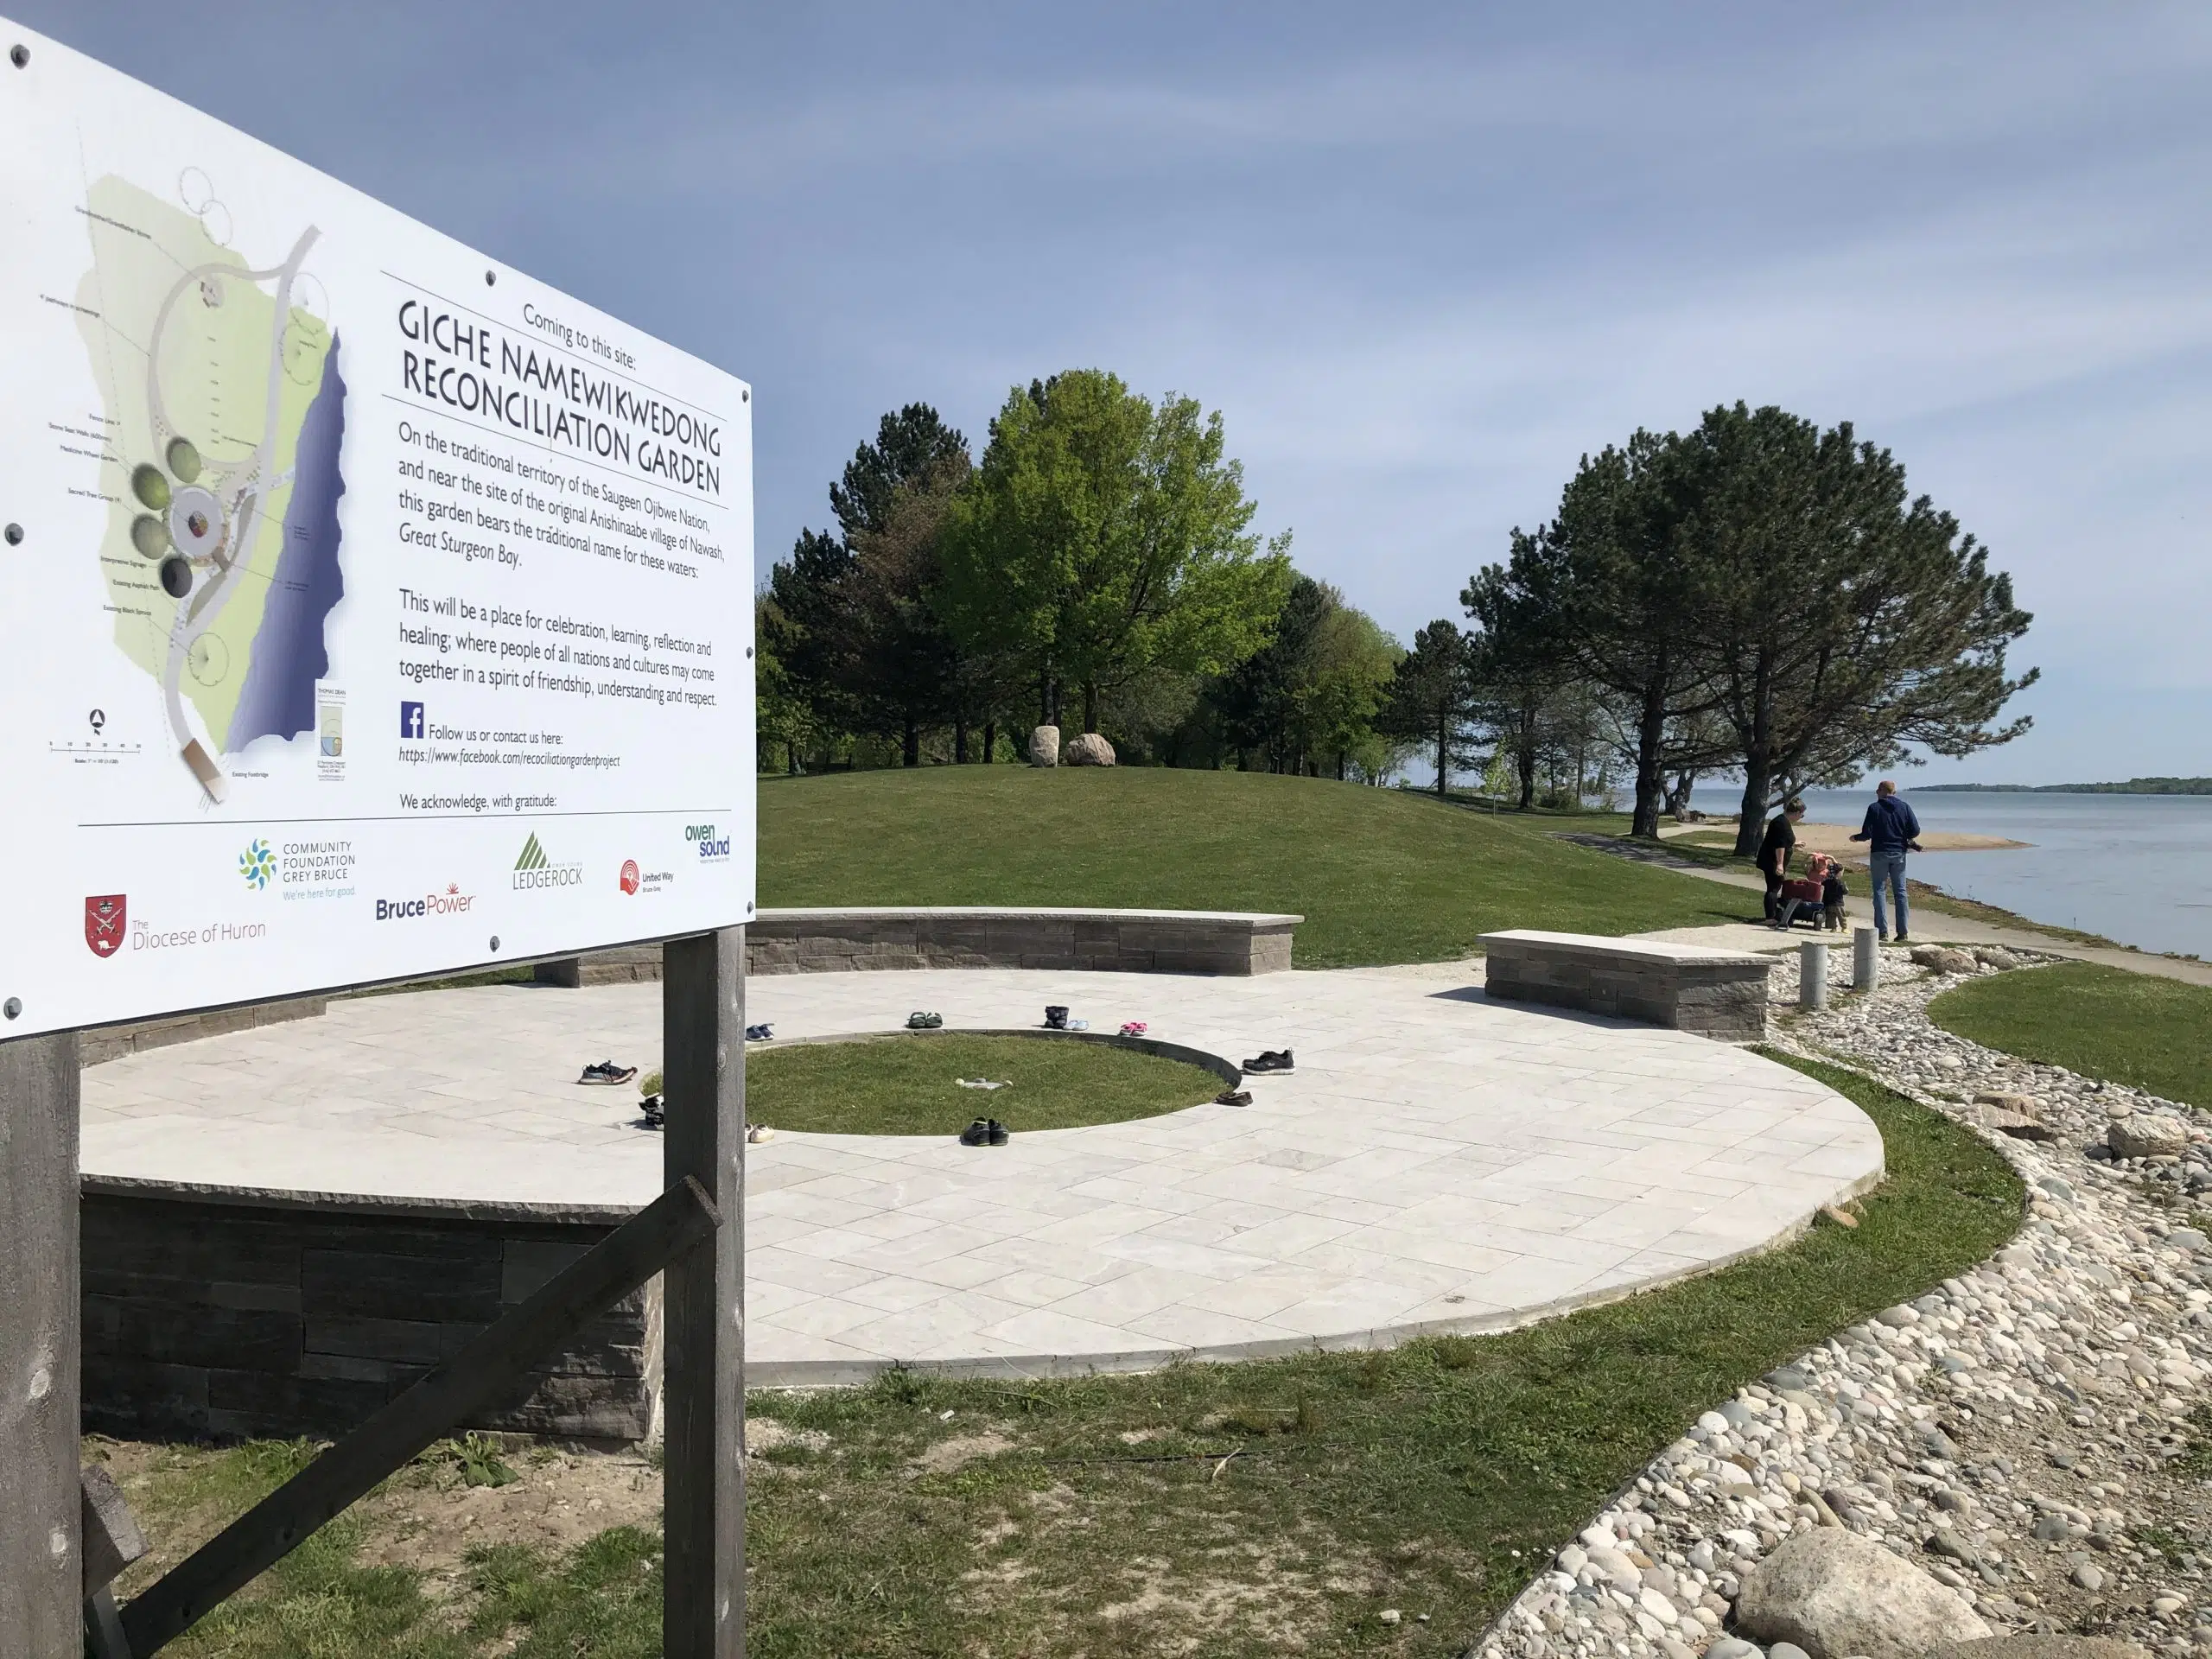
x=1886 y=864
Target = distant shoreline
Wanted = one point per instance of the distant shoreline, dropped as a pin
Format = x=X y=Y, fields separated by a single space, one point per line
x=2133 y=786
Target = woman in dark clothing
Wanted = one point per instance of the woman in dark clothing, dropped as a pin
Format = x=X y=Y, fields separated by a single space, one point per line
x=1774 y=852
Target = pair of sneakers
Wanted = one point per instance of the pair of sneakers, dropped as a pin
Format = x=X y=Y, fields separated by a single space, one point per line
x=758 y=1033
x=1270 y=1059
x=919 y=1021
x=985 y=1132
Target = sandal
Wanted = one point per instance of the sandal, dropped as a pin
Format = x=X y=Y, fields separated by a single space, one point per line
x=919 y=1021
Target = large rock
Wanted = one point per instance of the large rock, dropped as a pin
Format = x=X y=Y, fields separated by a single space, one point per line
x=1943 y=959
x=1044 y=746
x=2147 y=1135
x=1089 y=750
x=1835 y=1594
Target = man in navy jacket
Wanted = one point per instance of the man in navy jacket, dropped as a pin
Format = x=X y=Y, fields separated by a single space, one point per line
x=1890 y=830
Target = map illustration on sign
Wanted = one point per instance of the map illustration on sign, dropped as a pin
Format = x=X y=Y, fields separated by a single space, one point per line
x=224 y=414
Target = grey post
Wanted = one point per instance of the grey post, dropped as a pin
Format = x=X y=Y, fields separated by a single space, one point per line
x=1812 y=974
x=703 y=1066
x=42 y=1576
x=1866 y=958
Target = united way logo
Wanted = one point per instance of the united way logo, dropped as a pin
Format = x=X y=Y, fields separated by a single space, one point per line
x=103 y=920
x=630 y=880
x=257 y=866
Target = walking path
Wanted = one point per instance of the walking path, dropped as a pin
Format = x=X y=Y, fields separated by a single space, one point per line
x=1930 y=925
x=1436 y=1161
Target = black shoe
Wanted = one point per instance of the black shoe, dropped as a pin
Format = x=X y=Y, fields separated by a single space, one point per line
x=977 y=1134
x=919 y=1021
x=1270 y=1059
x=607 y=1071
x=758 y=1033
x=656 y=1113
x=998 y=1134
x=1233 y=1097
x=1055 y=1017
x=1904 y=938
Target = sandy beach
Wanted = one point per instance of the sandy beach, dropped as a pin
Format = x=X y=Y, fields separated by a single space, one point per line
x=1834 y=839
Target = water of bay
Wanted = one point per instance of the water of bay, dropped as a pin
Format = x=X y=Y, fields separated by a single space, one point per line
x=2137 y=869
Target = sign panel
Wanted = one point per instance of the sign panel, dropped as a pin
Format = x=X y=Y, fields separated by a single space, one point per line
x=370 y=609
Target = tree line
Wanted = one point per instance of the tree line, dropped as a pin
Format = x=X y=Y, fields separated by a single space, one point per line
x=1756 y=597
x=1097 y=567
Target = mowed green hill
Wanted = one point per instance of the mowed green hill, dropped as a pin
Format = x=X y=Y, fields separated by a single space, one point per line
x=1380 y=875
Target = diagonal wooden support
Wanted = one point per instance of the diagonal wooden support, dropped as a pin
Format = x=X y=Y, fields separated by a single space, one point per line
x=477 y=1377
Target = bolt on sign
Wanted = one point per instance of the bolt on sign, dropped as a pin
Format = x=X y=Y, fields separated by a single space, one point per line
x=374 y=609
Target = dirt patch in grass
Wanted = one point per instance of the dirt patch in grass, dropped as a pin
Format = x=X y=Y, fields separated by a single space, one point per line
x=430 y=1521
x=948 y=1456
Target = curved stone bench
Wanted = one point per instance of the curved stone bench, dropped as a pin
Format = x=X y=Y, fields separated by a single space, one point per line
x=847 y=938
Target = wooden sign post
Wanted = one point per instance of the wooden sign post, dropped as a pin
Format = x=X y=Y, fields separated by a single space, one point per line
x=703 y=1062
x=42 y=1561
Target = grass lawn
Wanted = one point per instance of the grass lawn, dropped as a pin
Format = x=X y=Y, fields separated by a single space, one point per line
x=1380 y=875
x=2103 y=1022
x=1234 y=1511
x=906 y=1084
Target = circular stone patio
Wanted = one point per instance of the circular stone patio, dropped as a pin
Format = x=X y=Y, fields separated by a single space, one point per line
x=1437 y=1162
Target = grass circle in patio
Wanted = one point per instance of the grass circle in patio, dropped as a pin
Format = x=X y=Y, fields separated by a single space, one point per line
x=908 y=1083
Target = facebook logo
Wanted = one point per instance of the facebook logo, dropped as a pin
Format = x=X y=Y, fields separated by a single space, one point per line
x=410 y=719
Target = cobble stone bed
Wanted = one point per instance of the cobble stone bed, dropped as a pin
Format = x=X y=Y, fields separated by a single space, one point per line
x=2028 y=1442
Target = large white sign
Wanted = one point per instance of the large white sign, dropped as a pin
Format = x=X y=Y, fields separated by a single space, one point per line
x=370 y=609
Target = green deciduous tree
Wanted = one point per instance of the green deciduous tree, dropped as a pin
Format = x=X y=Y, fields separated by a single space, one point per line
x=1103 y=538
x=1309 y=697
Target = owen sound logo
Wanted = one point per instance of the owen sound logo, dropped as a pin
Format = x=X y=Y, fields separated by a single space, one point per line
x=533 y=869
x=712 y=848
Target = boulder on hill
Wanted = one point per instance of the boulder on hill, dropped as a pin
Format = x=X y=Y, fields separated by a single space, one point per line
x=1943 y=959
x=1836 y=1594
x=1089 y=750
x=2147 y=1135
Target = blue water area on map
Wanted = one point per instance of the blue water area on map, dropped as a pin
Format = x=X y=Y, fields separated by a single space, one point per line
x=2131 y=867
x=290 y=653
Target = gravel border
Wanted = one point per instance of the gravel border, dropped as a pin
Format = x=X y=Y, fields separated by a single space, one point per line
x=2023 y=1432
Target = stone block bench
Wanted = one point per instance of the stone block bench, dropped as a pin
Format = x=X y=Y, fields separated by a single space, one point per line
x=974 y=936
x=1717 y=993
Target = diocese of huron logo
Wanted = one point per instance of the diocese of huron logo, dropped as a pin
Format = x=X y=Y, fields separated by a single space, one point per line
x=534 y=869
x=257 y=865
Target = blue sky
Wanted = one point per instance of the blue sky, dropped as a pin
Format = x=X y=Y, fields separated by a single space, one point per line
x=1421 y=258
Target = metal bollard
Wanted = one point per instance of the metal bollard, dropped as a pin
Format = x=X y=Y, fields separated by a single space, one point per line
x=1812 y=974
x=1865 y=959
